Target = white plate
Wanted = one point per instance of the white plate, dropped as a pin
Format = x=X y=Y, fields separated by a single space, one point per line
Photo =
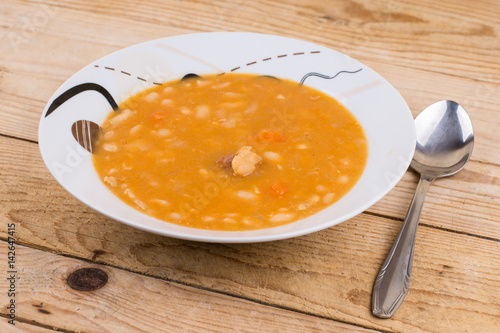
x=384 y=115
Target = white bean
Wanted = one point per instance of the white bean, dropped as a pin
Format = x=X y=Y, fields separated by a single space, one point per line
x=314 y=199
x=343 y=179
x=304 y=206
x=246 y=195
x=228 y=220
x=140 y=204
x=129 y=193
x=204 y=173
x=109 y=135
x=202 y=111
x=176 y=216
x=232 y=105
x=135 y=129
x=164 y=132
x=272 y=156
x=166 y=102
x=328 y=198
x=151 y=97
x=202 y=83
x=121 y=117
x=231 y=94
x=281 y=217
x=109 y=147
x=247 y=221
x=163 y=161
x=221 y=85
x=111 y=181
x=138 y=145
x=161 y=202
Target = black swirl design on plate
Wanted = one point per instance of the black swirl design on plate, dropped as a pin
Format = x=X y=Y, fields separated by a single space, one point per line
x=323 y=76
x=61 y=99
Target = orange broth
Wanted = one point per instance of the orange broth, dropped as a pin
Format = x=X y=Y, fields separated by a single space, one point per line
x=231 y=152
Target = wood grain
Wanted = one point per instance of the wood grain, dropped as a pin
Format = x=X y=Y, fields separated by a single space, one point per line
x=327 y=274
x=135 y=303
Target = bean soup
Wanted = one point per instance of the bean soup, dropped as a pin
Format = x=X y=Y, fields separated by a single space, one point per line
x=230 y=152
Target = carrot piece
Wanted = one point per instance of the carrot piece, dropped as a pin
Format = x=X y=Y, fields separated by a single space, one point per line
x=277 y=189
x=270 y=136
x=158 y=115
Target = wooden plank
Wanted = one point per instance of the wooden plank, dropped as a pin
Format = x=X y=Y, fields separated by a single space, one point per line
x=329 y=273
x=65 y=50
x=132 y=302
x=468 y=202
x=381 y=27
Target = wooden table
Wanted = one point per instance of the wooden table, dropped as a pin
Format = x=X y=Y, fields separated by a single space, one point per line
x=429 y=50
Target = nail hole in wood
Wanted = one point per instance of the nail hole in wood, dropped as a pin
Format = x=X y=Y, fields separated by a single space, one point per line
x=87 y=279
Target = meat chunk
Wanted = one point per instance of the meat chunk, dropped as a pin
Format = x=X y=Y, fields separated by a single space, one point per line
x=245 y=161
x=225 y=161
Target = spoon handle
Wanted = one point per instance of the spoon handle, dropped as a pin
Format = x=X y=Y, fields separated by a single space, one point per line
x=393 y=280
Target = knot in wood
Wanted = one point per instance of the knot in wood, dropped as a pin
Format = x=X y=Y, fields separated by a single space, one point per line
x=87 y=279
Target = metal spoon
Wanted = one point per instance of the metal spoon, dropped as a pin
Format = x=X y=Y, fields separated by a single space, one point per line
x=444 y=144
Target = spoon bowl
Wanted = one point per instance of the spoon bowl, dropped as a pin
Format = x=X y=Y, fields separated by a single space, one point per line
x=445 y=139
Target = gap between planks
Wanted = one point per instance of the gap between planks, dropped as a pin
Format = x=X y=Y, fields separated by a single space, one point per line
x=18 y=138
x=434 y=227
x=29 y=326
